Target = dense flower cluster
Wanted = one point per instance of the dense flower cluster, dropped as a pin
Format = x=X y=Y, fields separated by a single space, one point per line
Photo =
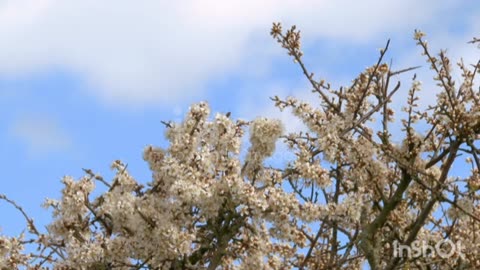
x=348 y=194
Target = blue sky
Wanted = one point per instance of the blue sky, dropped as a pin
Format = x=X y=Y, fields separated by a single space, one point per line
x=83 y=83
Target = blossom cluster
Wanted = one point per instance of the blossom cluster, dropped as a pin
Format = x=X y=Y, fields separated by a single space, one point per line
x=346 y=196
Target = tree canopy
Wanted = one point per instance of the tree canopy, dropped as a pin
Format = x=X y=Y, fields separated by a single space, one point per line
x=350 y=195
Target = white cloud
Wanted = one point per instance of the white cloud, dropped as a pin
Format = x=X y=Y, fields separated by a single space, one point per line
x=40 y=134
x=159 y=51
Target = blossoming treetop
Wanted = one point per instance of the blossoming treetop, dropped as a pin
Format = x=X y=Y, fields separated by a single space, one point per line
x=345 y=198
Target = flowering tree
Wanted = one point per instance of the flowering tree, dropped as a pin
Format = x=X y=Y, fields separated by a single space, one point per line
x=349 y=194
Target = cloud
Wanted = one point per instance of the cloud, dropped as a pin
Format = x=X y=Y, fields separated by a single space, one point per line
x=162 y=51
x=40 y=134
